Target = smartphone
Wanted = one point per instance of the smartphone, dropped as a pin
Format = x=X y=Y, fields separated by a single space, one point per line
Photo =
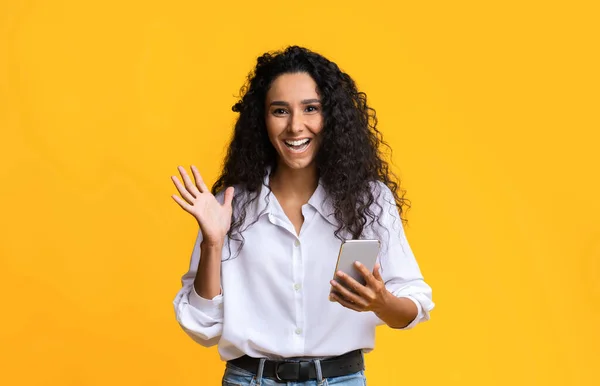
x=364 y=251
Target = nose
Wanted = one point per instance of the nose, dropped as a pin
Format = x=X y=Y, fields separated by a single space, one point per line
x=296 y=123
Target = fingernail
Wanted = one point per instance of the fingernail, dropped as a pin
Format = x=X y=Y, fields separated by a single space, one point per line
x=358 y=264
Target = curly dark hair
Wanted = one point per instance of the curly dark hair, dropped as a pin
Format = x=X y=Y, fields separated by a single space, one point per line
x=348 y=161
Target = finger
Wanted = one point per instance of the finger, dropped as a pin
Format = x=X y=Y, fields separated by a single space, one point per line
x=228 y=196
x=344 y=302
x=347 y=294
x=188 y=182
x=365 y=273
x=199 y=181
x=351 y=283
x=187 y=207
x=182 y=190
x=376 y=273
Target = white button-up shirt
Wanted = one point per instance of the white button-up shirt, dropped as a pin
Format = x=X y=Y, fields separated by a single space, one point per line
x=275 y=292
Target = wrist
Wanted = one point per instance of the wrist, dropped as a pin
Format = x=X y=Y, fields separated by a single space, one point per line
x=212 y=244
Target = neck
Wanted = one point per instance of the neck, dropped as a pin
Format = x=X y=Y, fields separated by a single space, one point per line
x=294 y=182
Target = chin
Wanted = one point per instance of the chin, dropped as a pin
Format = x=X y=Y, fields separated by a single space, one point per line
x=298 y=165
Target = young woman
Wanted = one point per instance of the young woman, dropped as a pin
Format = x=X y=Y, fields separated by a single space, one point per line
x=303 y=173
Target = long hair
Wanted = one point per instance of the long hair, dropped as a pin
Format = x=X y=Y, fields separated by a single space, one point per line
x=348 y=161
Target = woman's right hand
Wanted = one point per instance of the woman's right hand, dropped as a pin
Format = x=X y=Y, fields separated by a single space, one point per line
x=213 y=218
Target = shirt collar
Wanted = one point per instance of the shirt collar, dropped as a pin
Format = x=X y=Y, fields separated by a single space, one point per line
x=319 y=201
x=323 y=204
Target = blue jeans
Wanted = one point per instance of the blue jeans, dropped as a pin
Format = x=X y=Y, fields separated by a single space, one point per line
x=234 y=376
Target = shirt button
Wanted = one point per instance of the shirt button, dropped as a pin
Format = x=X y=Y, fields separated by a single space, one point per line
x=297 y=286
x=297 y=243
x=298 y=331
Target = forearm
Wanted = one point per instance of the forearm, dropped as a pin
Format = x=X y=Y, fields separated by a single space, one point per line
x=397 y=312
x=208 y=277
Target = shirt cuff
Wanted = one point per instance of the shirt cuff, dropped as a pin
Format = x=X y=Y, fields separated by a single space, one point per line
x=211 y=307
x=417 y=318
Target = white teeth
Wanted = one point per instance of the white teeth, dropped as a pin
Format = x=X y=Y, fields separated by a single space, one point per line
x=297 y=143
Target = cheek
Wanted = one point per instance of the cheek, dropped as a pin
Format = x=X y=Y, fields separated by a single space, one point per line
x=272 y=128
x=317 y=125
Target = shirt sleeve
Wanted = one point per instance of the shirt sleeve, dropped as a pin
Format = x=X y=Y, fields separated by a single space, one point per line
x=399 y=268
x=201 y=319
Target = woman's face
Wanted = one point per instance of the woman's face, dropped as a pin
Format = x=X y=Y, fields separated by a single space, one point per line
x=294 y=119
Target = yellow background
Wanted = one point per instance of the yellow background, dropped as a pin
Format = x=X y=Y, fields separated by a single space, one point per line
x=491 y=109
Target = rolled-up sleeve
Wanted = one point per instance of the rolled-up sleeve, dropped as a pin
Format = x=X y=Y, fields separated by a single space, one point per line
x=399 y=268
x=201 y=319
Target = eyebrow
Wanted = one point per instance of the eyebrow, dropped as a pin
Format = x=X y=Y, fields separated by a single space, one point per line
x=304 y=102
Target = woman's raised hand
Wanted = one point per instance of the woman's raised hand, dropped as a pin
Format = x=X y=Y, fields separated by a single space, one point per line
x=213 y=218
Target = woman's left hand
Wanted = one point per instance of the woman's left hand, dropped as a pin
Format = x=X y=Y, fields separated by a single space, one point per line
x=370 y=297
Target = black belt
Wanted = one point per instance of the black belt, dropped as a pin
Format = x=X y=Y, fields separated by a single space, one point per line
x=304 y=370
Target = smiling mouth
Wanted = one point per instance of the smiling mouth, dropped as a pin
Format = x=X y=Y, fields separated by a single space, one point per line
x=297 y=146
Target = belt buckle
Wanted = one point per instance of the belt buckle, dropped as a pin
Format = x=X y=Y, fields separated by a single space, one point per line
x=301 y=371
x=277 y=372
